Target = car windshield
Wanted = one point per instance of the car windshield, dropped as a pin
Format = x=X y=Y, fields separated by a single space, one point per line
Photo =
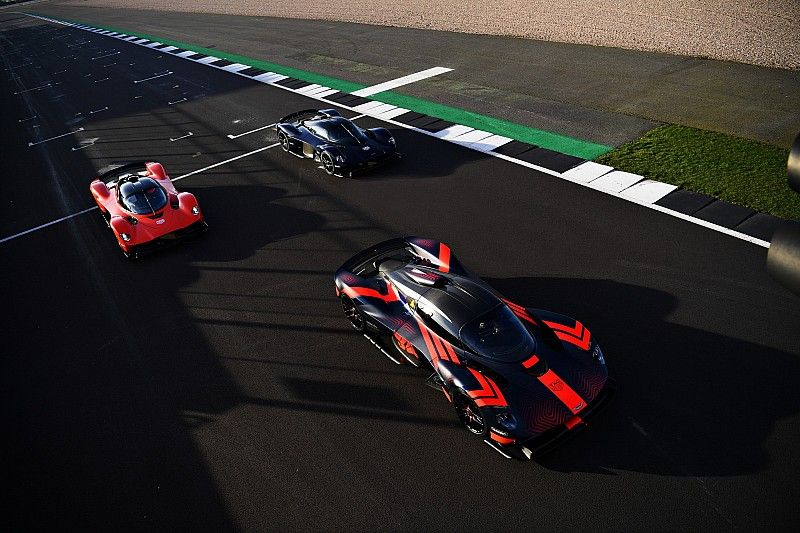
x=498 y=335
x=343 y=132
x=142 y=196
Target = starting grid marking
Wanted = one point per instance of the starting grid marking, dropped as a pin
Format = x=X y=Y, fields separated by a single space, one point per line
x=624 y=185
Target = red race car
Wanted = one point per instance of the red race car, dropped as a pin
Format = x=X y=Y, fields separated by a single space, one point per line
x=142 y=207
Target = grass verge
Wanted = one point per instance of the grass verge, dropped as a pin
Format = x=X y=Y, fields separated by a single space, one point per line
x=733 y=169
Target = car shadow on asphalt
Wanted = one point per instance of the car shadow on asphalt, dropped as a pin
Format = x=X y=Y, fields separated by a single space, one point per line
x=689 y=403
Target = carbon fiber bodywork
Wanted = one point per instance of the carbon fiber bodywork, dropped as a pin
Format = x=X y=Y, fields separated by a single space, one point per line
x=340 y=146
x=415 y=300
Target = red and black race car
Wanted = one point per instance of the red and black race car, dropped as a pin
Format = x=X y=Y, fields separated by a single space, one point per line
x=142 y=207
x=520 y=378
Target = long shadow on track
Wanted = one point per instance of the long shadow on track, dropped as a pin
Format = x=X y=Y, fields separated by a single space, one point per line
x=690 y=402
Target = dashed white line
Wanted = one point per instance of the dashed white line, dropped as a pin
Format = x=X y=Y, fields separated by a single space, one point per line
x=56 y=137
x=167 y=73
x=106 y=55
x=177 y=101
x=179 y=138
x=40 y=87
x=99 y=110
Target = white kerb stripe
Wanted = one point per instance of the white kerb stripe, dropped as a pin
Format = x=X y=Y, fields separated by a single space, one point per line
x=586 y=172
x=208 y=59
x=471 y=137
x=377 y=110
x=616 y=181
x=235 y=67
x=387 y=115
x=317 y=91
x=452 y=131
x=405 y=80
x=490 y=143
x=308 y=88
x=367 y=106
x=187 y=53
x=153 y=45
x=169 y=48
x=649 y=191
x=327 y=93
x=269 y=77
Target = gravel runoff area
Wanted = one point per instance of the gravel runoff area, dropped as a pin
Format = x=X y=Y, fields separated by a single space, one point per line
x=759 y=32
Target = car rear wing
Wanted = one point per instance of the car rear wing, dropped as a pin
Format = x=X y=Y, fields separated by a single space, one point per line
x=307 y=113
x=363 y=257
x=117 y=168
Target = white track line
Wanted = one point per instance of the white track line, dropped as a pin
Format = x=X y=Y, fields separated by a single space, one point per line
x=56 y=221
x=251 y=131
x=405 y=80
x=56 y=137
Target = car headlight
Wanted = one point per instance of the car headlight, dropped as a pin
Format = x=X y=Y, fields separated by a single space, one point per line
x=125 y=237
x=196 y=210
x=340 y=159
x=391 y=141
x=597 y=355
x=505 y=420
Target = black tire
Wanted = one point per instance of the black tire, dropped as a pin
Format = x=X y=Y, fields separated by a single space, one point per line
x=471 y=416
x=284 y=140
x=353 y=315
x=327 y=163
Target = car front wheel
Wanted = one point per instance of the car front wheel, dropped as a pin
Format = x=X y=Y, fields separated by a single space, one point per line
x=327 y=163
x=284 y=140
x=470 y=414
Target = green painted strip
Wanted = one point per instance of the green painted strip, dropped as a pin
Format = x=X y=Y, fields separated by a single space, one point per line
x=546 y=139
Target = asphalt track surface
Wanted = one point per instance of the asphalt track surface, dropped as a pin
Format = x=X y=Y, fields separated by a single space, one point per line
x=216 y=385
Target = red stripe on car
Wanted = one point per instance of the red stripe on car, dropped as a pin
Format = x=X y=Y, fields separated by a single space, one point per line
x=562 y=391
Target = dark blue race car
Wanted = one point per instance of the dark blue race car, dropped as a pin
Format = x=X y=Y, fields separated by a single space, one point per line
x=341 y=147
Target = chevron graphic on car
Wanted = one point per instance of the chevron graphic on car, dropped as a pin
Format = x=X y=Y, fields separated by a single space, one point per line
x=489 y=394
x=577 y=335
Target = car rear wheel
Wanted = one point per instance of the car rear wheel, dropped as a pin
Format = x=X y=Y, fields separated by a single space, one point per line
x=284 y=140
x=470 y=414
x=353 y=314
x=327 y=163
